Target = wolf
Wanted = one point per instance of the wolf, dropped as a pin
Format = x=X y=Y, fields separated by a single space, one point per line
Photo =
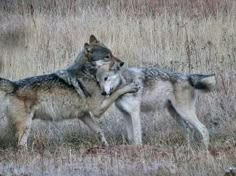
x=159 y=89
x=49 y=97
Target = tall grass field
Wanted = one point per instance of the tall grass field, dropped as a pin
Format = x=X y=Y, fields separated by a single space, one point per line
x=189 y=36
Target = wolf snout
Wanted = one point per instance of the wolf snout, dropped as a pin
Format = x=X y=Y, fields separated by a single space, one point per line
x=104 y=93
x=121 y=64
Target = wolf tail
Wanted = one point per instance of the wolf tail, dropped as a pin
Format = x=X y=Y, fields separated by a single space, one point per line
x=6 y=85
x=206 y=83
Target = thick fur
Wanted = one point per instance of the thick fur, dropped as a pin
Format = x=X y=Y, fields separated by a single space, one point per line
x=159 y=89
x=48 y=97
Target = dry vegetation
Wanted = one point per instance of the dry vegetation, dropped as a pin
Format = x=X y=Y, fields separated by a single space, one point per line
x=38 y=37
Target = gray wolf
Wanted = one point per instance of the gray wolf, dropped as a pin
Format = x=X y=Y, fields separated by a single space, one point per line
x=97 y=54
x=174 y=91
x=49 y=97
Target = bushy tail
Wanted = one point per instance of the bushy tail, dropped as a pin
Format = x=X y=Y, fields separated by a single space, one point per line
x=205 y=83
x=6 y=85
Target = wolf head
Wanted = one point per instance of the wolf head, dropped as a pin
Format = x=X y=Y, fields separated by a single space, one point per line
x=98 y=53
x=109 y=81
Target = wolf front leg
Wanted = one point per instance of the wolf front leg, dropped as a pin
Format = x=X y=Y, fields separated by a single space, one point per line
x=88 y=120
x=129 y=106
x=130 y=88
x=22 y=132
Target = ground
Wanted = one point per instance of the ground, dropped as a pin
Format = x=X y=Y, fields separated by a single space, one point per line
x=39 y=37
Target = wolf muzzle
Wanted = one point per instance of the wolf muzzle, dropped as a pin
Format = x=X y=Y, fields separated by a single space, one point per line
x=105 y=94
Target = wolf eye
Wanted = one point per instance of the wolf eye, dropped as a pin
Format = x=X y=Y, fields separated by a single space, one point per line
x=106 y=78
x=107 y=57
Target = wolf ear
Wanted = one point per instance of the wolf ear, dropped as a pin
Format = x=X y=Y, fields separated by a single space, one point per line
x=87 y=50
x=93 y=39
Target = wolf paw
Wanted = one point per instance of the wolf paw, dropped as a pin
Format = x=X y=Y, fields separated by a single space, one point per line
x=135 y=86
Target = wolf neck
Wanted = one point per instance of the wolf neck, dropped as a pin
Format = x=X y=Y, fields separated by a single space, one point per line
x=80 y=59
x=129 y=75
x=82 y=67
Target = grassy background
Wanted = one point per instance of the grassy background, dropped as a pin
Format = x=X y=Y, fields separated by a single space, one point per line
x=38 y=37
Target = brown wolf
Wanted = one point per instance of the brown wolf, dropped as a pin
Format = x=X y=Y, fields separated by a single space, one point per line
x=159 y=88
x=48 y=97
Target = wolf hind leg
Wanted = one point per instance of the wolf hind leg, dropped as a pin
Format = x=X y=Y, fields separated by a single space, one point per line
x=191 y=117
x=185 y=127
x=188 y=114
x=89 y=121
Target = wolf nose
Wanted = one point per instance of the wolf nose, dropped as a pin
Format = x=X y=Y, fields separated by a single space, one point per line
x=121 y=64
x=104 y=93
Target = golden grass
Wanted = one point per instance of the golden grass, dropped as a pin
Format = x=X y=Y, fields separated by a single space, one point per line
x=198 y=39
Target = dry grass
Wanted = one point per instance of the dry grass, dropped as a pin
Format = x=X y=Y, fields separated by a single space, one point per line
x=187 y=36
